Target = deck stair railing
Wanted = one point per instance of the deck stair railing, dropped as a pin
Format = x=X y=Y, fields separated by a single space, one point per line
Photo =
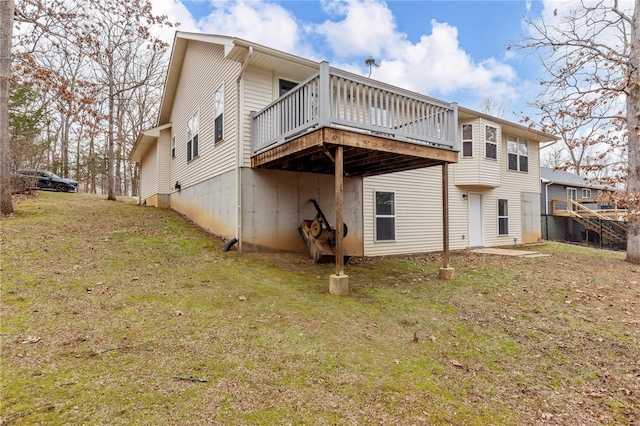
x=608 y=223
x=338 y=99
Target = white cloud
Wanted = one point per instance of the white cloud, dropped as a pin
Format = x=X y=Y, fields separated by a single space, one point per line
x=436 y=64
x=368 y=27
x=177 y=13
x=265 y=23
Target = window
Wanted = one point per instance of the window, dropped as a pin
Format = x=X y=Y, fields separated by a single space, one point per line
x=491 y=142
x=572 y=194
x=193 y=129
x=173 y=146
x=586 y=192
x=385 y=216
x=518 y=153
x=467 y=140
x=503 y=217
x=218 y=109
x=285 y=86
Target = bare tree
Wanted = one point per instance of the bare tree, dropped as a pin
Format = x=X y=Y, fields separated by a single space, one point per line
x=117 y=41
x=92 y=61
x=6 y=34
x=591 y=54
x=489 y=105
x=588 y=143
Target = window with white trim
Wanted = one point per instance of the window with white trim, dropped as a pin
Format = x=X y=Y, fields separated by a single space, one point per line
x=193 y=130
x=173 y=146
x=586 y=192
x=385 y=216
x=491 y=142
x=218 y=114
x=467 y=140
x=518 y=154
x=503 y=217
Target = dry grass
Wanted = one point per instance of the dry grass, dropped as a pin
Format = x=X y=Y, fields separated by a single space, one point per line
x=118 y=314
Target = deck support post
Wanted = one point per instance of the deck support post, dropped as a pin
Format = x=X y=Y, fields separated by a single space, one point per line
x=446 y=272
x=339 y=282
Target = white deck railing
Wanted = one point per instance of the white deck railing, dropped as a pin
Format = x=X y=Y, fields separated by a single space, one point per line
x=337 y=99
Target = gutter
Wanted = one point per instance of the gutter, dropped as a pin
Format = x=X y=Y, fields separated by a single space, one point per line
x=239 y=147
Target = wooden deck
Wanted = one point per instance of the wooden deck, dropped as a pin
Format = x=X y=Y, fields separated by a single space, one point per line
x=345 y=125
x=589 y=208
x=383 y=129
x=364 y=154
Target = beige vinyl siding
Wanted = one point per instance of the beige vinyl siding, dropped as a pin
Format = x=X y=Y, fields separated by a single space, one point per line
x=418 y=202
x=524 y=181
x=514 y=184
x=479 y=170
x=467 y=171
x=258 y=93
x=260 y=88
x=149 y=174
x=163 y=144
x=490 y=168
x=205 y=69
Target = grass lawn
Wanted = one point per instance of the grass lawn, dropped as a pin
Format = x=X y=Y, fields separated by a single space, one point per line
x=114 y=314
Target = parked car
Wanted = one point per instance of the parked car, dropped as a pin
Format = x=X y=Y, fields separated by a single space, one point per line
x=44 y=179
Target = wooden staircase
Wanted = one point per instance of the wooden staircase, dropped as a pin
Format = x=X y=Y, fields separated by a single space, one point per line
x=609 y=224
x=616 y=232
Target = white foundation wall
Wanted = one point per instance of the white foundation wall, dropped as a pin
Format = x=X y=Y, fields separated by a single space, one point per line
x=211 y=204
x=274 y=203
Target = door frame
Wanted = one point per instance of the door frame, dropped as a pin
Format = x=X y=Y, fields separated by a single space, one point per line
x=479 y=197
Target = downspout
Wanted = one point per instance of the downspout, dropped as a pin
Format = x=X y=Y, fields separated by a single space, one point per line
x=239 y=147
x=546 y=197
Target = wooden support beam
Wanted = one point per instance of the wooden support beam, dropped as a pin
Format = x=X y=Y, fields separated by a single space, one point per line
x=445 y=215
x=339 y=186
x=446 y=272
x=339 y=282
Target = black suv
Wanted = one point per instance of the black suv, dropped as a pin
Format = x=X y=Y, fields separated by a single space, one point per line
x=44 y=179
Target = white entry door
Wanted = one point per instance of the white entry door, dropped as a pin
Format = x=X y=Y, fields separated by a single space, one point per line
x=475 y=220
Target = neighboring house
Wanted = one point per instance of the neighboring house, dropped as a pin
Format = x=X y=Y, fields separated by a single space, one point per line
x=247 y=135
x=571 y=210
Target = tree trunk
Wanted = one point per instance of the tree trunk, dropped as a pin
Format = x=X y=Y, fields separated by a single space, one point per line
x=92 y=166
x=6 y=32
x=111 y=194
x=633 y=125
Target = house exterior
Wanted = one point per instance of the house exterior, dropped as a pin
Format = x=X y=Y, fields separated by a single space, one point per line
x=247 y=136
x=571 y=207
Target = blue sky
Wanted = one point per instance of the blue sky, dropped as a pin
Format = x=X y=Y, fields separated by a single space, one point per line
x=452 y=50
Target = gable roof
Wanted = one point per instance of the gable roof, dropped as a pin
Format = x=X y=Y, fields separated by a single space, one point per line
x=560 y=177
x=235 y=49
